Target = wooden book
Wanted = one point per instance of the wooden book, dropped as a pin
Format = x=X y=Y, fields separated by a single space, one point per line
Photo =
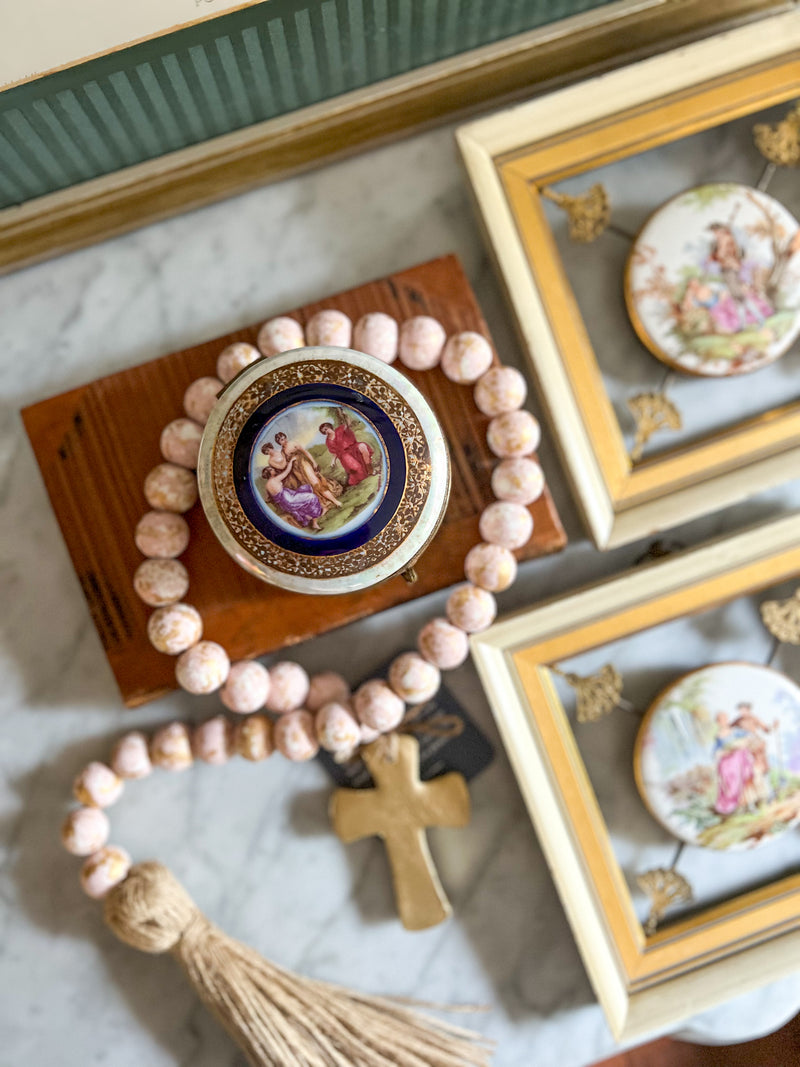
x=95 y=445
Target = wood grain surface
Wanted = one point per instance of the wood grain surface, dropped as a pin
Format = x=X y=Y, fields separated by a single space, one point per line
x=781 y=1049
x=95 y=445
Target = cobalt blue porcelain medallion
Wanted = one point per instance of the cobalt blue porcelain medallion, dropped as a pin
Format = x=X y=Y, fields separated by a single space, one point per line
x=323 y=470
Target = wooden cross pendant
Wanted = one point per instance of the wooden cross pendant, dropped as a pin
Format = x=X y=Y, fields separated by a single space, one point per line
x=399 y=809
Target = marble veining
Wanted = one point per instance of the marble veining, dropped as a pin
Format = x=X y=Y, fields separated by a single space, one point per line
x=252 y=842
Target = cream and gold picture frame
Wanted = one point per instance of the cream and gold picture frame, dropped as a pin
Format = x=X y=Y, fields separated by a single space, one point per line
x=515 y=157
x=745 y=931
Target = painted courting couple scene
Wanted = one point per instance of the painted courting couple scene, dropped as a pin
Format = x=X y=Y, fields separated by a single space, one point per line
x=725 y=300
x=318 y=468
x=721 y=761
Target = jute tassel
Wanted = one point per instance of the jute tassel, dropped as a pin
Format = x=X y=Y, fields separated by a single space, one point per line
x=278 y=1018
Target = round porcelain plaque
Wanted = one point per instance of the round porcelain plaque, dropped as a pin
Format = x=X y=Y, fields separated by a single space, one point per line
x=323 y=470
x=712 y=283
x=717 y=757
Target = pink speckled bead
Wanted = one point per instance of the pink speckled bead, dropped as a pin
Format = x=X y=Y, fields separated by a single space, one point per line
x=326 y=688
x=368 y=734
x=170 y=488
x=103 y=870
x=203 y=668
x=442 y=644
x=492 y=567
x=234 y=358
x=421 y=342
x=200 y=398
x=295 y=737
x=376 y=705
x=212 y=741
x=280 y=334
x=514 y=434
x=252 y=737
x=161 y=581
x=376 y=334
x=329 y=327
x=470 y=608
x=466 y=357
x=161 y=534
x=97 y=786
x=171 y=747
x=85 y=830
x=499 y=390
x=174 y=628
x=509 y=525
x=414 y=679
x=180 y=442
x=246 y=688
x=336 y=728
x=288 y=687
x=130 y=758
x=518 y=481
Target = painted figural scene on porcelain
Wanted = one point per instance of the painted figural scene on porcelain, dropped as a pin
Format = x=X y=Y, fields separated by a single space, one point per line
x=713 y=281
x=320 y=468
x=718 y=756
x=323 y=470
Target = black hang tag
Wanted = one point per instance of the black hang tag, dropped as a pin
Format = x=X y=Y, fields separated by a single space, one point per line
x=469 y=753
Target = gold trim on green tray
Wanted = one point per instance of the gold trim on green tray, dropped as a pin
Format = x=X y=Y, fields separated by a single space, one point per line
x=267 y=151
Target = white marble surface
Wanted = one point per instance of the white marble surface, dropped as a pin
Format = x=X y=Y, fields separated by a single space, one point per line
x=252 y=843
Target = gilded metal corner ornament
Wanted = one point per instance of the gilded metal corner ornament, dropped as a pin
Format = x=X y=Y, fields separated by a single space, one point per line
x=596 y=695
x=782 y=618
x=588 y=214
x=664 y=888
x=780 y=144
x=652 y=412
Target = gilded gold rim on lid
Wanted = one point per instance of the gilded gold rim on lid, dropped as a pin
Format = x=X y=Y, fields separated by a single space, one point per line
x=395 y=464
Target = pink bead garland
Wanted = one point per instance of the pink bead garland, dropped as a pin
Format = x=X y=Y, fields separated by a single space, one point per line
x=281 y=334
x=85 y=831
x=235 y=358
x=159 y=582
x=180 y=442
x=337 y=729
x=247 y=687
x=200 y=398
x=320 y=711
x=162 y=535
x=377 y=335
x=212 y=741
x=130 y=757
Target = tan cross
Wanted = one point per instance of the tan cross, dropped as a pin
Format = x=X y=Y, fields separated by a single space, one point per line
x=399 y=809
